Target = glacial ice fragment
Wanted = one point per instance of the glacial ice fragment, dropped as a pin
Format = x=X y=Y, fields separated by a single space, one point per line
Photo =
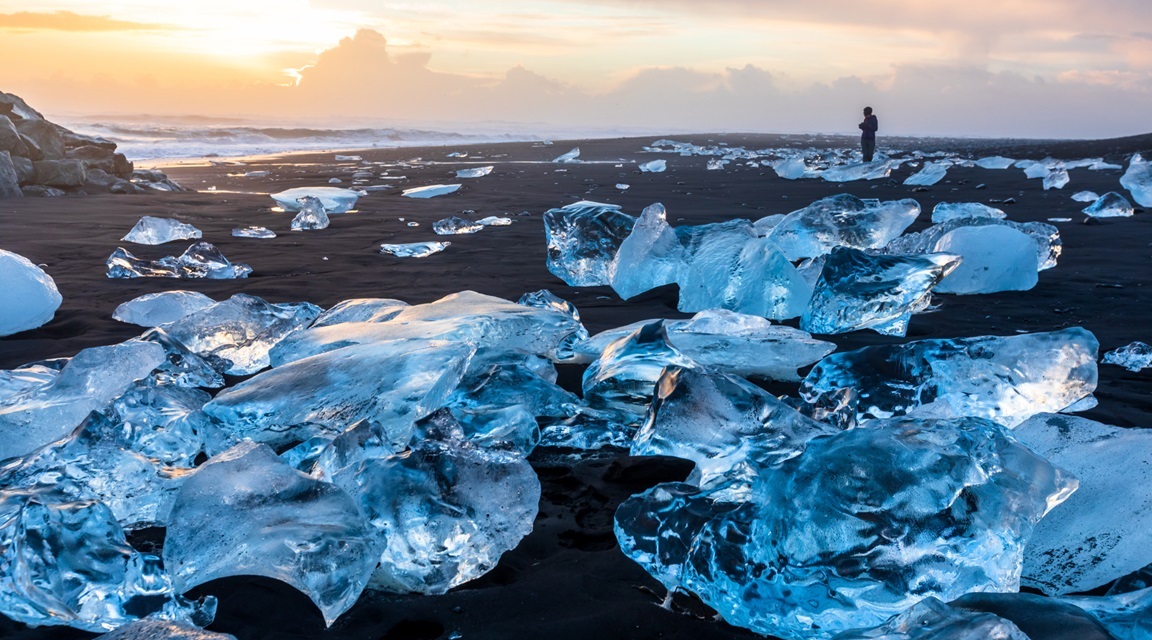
x=155 y=309
x=1046 y=237
x=583 y=239
x=931 y=619
x=156 y=629
x=570 y=156
x=334 y=199
x=792 y=168
x=1110 y=205
x=930 y=174
x=1006 y=380
x=253 y=232
x=430 y=191
x=152 y=230
x=455 y=225
x=478 y=172
x=361 y=310
x=1056 y=179
x=857 y=290
x=1127 y=616
x=995 y=162
x=654 y=166
x=495 y=221
x=1133 y=357
x=651 y=256
x=842 y=221
x=945 y=211
x=1085 y=196
x=994 y=258
x=183 y=368
x=414 y=249
x=860 y=171
x=311 y=216
x=30 y=295
x=623 y=378
x=1138 y=180
x=246 y=512
x=201 y=260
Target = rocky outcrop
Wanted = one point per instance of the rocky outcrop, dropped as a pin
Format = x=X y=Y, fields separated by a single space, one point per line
x=40 y=158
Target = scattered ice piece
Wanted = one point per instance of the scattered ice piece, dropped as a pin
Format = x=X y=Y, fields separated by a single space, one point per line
x=654 y=166
x=1110 y=205
x=1085 y=196
x=152 y=230
x=1138 y=180
x=716 y=164
x=1004 y=379
x=430 y=191
x=1059 y=219
x=155 y=309
x=945 y=211
x=930 y=174
x=343 y=158
x=495 y=221
x=201 y=260
x=1133 y=357
x=334 y=199
x=1056 y=179
x=414 y=249
x=456 y=225
x=312 y=215
x=334 y=181
x=361 y=310
x=478 y=172
x=995 y=162
x=156 y=629
x=841 y=221
x=253 y=232
x=860 y=171
x=994 y=258
x=583 y=239
x=570 y=156
x=1046 y=237
x=651 y=256
x=931 y=619
x=30 y=295
x=792 y=168
x=623 y=187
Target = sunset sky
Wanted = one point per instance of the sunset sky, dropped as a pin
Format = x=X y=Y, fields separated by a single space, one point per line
x=983 y=67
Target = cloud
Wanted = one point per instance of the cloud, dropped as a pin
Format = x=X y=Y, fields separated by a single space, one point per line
x=69 y=21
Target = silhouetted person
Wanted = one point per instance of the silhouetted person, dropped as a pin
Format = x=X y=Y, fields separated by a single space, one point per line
x=868 y=134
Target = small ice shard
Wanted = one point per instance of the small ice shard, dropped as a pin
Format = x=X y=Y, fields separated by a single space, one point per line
x=945 y=211
x=716 y=164
x=931 y=619
x=430 y=191
x=253 y=232
x=458 y=154
x=68 y=563
x=455 y=225
x=995 y=162
x=857 y=290
x=311 y=215
x=246 y=512
x=860 y=171
x=343 y=158
x=1104 y=531
x=1085 y=196
x=930 y=174
x=30 y=295
x=624 y=376
x=994 y=258
x=583 y=239
x=1133 y=357
x=155 y=309
x=623 y=187
x=1138 y=180
x=495 y=221
x=1007 y=380
x=361 y=310
x=842 y=221
x=1056 y=179
x=570 y=156
x=1059 y=219
x=334 y=199
x=414 y=249
x=1110 y=205
x=792 y=168
x=241 y=330
x=334 y=181
x=157 y=629
x=654 y=166
x=651 y=256
x=478 y=172
x=42 y=413
x=152 y=230
x=201 y=260
x=1046 y=237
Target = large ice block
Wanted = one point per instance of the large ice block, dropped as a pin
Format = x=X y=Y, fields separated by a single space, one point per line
x=201 y=260
x=311 y=216
x=1138 y=180
x=30 y=295
x=993 y=258
x=1046 y=237
x=334 y=199
x=583 y=239
x=945 y=211
x=155 y=309
x=153 y=230
x=651 y=256
x=842 y=221
x=623 y=378
x=1007 y=380
x=1110 y=205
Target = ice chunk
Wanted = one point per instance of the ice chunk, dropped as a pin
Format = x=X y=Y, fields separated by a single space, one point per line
x=495 y=221
x=1110 y=205
x=857 y=290
x=1133 y=357
x=994 y=258
x=361 y=310
x=183 y=368
x=792 y=168
x=334 y=199
x=1125 y=615
x=1104 y=531
x=624 y=376
x=343 y=158
x=860 y=171
x=155 y=629
x=945 y=211
x=455 y=225
x=654 y=166
x=153 y=419
x=30 y=295
x=842 y=221
x=931 y=619
x=995 y=162
x=201 y=260
x=152 y=230
x=930 y=174
x=716 y=164
x=311 y=216
x=651 y=256
x=1085 y=196
x=155 y=309
x=1056 y=178
x=570 y=156
x=1138 y=180
x=253 y=232
x=241 y=330
x=623 y=187
x=1007 y=380
x=414 y=249
x=246 y=512
x=44 y=413
x=478 y=172
x=430 y=191
x=1046 y=237
x=583 y=239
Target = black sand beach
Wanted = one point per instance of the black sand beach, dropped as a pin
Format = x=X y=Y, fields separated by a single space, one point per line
x=567 y=579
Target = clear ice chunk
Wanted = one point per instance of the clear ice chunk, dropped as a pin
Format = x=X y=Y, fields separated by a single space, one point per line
x=994 y=258
x=945 y=211
x=430 y=191
x=30 y=295
x=1125 y=615
x=842 y=221
x=183 y=368
x=155 y=309
x=253 y=232
x=1110 y=205
x=247 y=512
x=792 y=168
x=651 y=256
x=1046 y=237
x=931 y=619
x=495 y=221
x=361 y=310
x=1056 y=178
x=623 y=378
x=478 y=172
x=857 y=290
x=156 y=629
x=201 y=260
x=455 y=225
x=570 y=156
x=1133 y=357
x=1007 y=380
x=311 y=216
x=153 y=419
x=654 y=166
x=995 y=162
x=1085 y=196
x=929 y=174
x=860 y=171
x=1138 y=180
x=583 y=239
x=334 y=199
x=414 y=249
x=152 y=230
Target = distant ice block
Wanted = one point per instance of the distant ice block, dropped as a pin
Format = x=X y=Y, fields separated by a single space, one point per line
x=1047 y=238
x=931 y=619
x=654 y=166
x=994 y=258
x=155 y=309
x=651 y=256
x=495 y=221
x=1104 y=531
x=455 y=225
x=1138 y=180
x=570 y=156
x=1056 y=178
x=311 y=216
x=253 y=232
x=716 y=164
x=1036 y=169
x=246 y=512
x=583 y=239
x=624 y=376
x=860 y=171
x=792 y=168
x=842 y=221
x=1133 y=357
x=929 y=174
x=1004 y=379
x=1110 y=205
x=344 y=158
x=152 y=230
x=478 y=172
x=414 y=249
x=30 y=295
x=995 y=162
x=334 y=199
x=857 y=290
x=945 y=211
x=430 y=191
x=1085 y=196
x=623 y=187
x=201 y=260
